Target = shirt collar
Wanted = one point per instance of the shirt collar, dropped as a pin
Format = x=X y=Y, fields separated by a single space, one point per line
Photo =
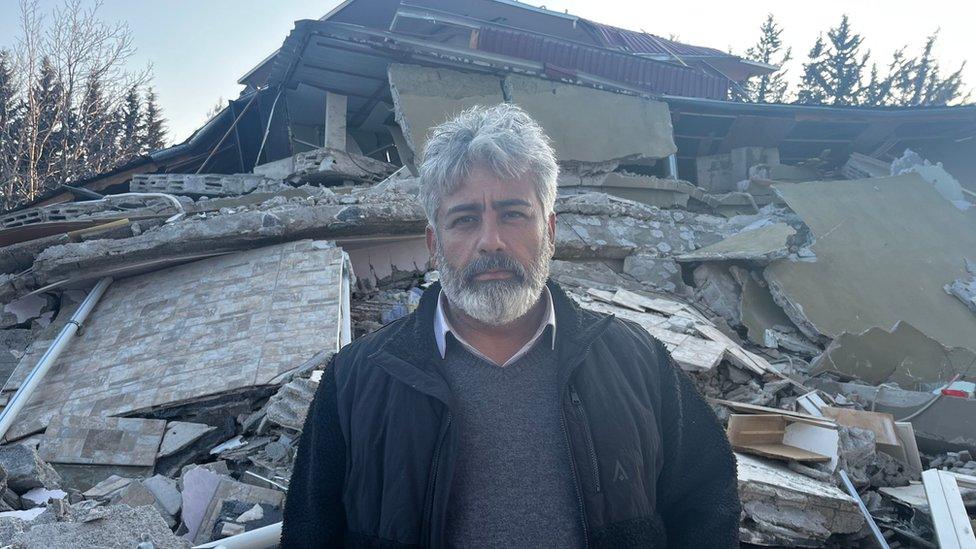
x=442 y=326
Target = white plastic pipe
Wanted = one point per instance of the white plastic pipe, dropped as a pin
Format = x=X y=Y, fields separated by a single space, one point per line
x=23 y=394
x=261 y=538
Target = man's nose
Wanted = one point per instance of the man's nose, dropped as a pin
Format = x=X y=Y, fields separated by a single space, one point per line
x=490 y=238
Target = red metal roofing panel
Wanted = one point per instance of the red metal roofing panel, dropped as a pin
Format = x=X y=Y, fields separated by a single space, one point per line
x=644 y=43
x=563 y=56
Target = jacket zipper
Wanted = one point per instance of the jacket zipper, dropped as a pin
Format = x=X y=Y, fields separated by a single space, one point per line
x=588 y=435
x=433 y=480
x=576 y=481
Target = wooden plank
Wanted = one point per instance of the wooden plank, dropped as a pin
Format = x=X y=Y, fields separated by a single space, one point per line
x=881 y=424
x=949 y=518
x=658 y=304
x=763 y=434
x=906 y=436
x=756 y=409
x=736 y=354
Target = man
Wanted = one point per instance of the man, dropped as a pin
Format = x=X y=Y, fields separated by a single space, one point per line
x=499 y=413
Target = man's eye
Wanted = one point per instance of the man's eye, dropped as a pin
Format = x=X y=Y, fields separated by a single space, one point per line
x=464 y=220
x=514 y=215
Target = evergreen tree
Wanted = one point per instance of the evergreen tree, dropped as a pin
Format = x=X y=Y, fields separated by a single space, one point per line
x=833 y=74
x=97 y=129
x=153 y=127
x=768 y=88
x=919 y=80
x=130 y=124
x=11 y=118
x=813 y=84
x=49 y=99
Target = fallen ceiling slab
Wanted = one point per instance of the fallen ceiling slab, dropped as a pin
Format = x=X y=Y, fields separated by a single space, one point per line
x=425 y=97
x=885 y=248
x=204 y=328
x=903 y=355
x=765 y=243
x=594 y=126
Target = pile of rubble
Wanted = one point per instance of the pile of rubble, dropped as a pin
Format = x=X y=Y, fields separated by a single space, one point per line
x=163 y=345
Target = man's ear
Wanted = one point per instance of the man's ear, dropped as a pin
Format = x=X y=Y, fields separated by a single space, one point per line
x=431 y=243
x=552 y=227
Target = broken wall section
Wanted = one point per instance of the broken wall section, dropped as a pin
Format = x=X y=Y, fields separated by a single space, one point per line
x=593 y=132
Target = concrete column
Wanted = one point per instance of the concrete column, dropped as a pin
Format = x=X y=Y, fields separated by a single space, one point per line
x=335 y=121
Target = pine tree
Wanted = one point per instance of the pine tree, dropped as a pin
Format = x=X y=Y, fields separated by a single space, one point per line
x=11 y=119
x=813 y=84
x=918 y=81
x=49 y=97
x=97 y=129
x=833 y=74
x=769 y=88
x=130 y=125
x=153 y=135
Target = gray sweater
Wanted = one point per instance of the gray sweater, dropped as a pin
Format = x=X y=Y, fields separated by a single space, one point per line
x=513 y=485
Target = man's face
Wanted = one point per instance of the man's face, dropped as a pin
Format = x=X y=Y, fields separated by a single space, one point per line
x=492 y=245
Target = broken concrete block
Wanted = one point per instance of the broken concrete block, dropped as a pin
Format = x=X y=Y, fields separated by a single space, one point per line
x=289 y=406
x=604 y=126
x=230 y=490
x=901 y=224
x=252 y=514
x=650 y=190
x=198 y=184
x=180 y=434
x=87 y=449
x=326 y=165
x=26 y=470
x=166 y=493
x=762 y=244
x=757 y=310
x=115 y=526
x=903 y=355
x=107 y=488
x=425 y=97
x=717 y=289
x=662 y=273
x=134 y=494
x=782 y=507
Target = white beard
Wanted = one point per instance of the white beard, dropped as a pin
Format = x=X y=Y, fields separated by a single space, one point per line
x=495 y=302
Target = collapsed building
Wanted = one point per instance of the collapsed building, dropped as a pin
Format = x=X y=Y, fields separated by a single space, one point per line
x=811 y=268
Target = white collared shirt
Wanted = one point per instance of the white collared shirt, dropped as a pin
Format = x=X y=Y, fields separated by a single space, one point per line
x=442 y=326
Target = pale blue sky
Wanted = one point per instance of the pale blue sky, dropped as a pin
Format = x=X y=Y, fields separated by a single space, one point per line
x=199 y=48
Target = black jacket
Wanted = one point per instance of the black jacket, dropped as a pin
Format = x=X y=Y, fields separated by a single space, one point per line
x=652 y=465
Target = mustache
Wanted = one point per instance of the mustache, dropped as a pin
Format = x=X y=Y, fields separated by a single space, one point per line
x=493 y=262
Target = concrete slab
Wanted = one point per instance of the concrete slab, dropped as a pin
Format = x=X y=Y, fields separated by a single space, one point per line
x=102 y=440
x=589 y=125
x=209 y=327
x=902 y=355
x=424 y=97
x=885 y=248
x=764 y=243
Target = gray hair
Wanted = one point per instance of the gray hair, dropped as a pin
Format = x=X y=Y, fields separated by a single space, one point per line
x=502 y=139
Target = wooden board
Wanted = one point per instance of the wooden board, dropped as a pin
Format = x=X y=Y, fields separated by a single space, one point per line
x=881 y=424
x=762 y=435
x=950 y=521
x=756 y=409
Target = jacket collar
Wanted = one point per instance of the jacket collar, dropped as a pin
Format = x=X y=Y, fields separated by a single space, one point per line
x=410 y=354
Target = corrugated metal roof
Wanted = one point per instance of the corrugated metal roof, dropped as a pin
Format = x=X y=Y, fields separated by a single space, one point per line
x=644 y=43
x=569 y=57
